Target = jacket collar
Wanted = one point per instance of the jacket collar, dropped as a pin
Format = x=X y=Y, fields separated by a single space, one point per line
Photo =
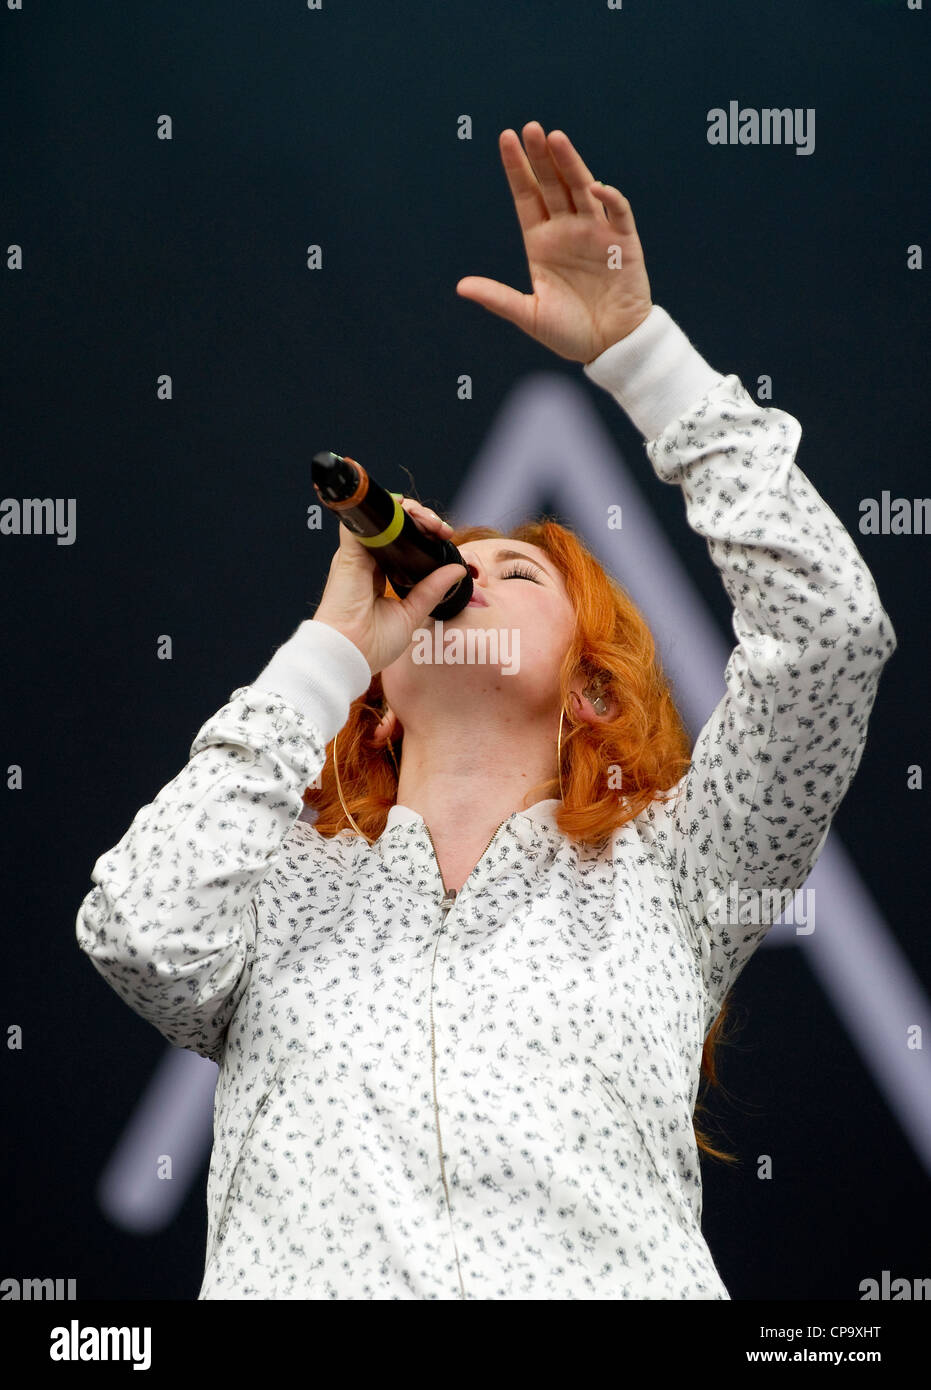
x=542 y=813
x=523 y=846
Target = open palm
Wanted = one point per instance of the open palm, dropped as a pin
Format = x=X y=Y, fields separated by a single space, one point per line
x=586 y=295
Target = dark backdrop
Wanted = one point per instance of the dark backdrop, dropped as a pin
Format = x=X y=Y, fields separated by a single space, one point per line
x=143 y=256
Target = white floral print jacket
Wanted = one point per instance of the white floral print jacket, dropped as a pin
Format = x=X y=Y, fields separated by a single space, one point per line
x=490 y=1095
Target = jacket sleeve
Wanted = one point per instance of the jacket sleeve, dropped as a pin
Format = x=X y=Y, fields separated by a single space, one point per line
x=774 y=761
x=171 y=923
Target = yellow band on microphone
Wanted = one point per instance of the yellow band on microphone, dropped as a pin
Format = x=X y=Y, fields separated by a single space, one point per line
x=391 y=530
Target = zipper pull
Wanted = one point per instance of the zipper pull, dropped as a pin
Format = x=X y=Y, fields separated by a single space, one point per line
x=449 y=897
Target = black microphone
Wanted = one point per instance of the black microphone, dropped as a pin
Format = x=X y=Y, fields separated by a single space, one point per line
x=403 y=552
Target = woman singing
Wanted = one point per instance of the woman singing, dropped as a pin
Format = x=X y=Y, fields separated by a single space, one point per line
x=461 y=1014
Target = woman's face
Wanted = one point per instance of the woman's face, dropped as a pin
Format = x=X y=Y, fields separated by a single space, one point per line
x=526 y=604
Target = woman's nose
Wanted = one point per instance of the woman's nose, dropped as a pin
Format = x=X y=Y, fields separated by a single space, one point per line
x=474 y=566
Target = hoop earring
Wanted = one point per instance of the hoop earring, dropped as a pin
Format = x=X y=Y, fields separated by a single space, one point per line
x=339 y=789
x=339 y=793
x=599 y=706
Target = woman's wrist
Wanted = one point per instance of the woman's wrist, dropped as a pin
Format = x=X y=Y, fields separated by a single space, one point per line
x=319 y=671
x=654 y=373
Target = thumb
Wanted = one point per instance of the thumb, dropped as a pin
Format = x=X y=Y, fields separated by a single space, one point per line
x=430 y=590
x=499 y=299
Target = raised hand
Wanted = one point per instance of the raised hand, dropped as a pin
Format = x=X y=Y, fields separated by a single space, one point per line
x=581 y=303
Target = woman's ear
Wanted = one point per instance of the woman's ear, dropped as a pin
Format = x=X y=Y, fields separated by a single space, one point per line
x=590 y=703
x=388 y=727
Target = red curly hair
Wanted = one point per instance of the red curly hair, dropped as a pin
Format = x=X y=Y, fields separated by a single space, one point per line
x=647 y=739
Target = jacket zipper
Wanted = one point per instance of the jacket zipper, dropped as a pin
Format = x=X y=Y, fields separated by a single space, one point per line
x=449 y=898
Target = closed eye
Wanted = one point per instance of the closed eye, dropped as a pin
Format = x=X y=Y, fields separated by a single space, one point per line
x=518 y=573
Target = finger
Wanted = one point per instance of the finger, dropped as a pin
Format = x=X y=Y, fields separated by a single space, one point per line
x=525 y=190
x=352 y=549
x=427 y=520
x=499 y=299
x=620 y=213
x=574 y=171
x=430 y=591
x=555 y=192
x=420 y=509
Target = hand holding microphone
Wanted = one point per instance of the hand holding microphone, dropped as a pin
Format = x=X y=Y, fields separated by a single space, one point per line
x=353 y=600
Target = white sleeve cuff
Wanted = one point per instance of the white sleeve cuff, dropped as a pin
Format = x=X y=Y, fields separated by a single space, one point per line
x=319 y=672
x=654 y=373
